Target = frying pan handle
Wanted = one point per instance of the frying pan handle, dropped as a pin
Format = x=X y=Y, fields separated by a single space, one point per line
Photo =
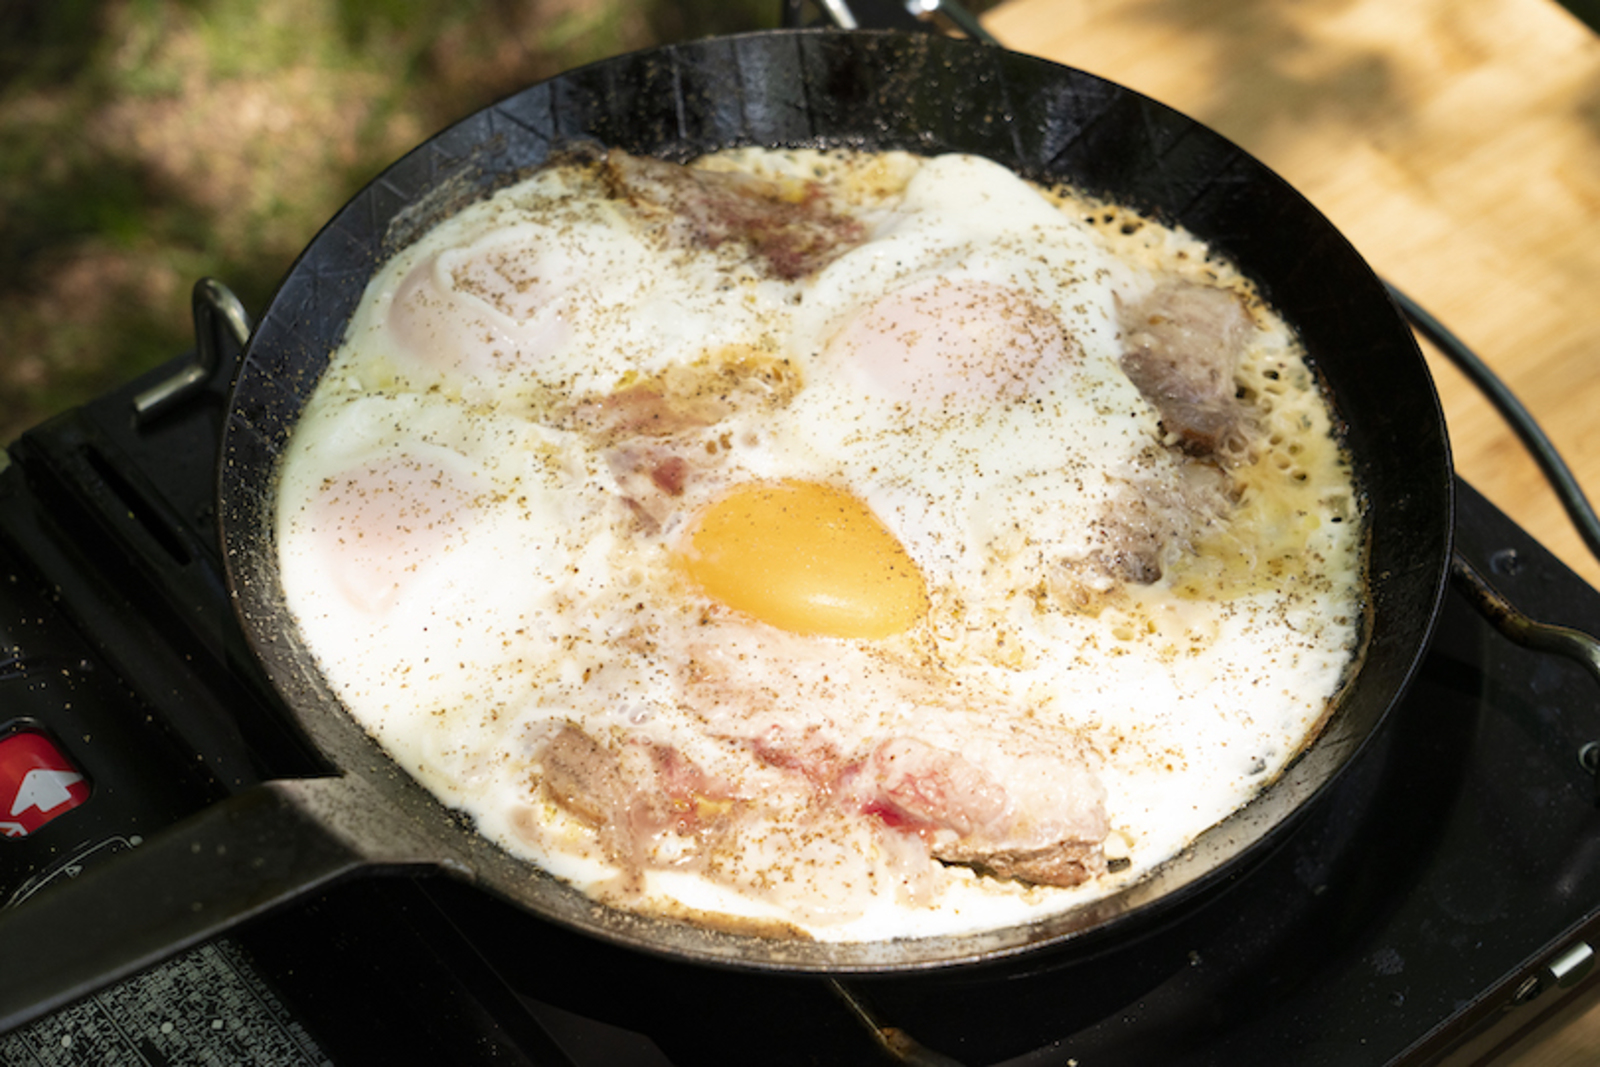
x=234 y=860
x=888 y=15
x=1515 y=626
x=217 y=313
x=1518 y=627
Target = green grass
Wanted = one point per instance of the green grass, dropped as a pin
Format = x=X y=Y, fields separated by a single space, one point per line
x=147 y=143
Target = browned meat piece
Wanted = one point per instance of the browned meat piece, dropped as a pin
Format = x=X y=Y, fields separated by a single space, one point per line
x=1062 y=863
x=1130 y=541
x=1181 y=348
x=1134 y=539
x=792 y=234
x=586 y=779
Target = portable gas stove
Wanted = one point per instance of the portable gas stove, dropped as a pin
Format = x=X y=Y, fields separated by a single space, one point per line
x=1440 y=903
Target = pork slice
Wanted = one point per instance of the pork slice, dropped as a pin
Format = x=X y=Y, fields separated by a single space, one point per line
x=654 y=808
x=921 y=786
x=1037 y=817
x=1181 y=348
x=585 y=778
x=1151 y=519
x=632 y=797
x=648 y=410
x=659 y=433
x=791 y=235
x=651 y=478
x=685 y=398
x=989 y=801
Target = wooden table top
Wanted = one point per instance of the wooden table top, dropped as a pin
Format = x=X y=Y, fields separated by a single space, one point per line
x=1457 y=147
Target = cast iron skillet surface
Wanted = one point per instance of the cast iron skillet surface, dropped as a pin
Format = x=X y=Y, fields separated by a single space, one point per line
x=929 y=95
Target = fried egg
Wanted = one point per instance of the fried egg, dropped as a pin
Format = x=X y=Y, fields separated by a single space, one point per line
x=797 y=539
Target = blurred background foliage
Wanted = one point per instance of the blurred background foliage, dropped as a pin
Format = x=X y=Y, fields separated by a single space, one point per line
x=147 y=143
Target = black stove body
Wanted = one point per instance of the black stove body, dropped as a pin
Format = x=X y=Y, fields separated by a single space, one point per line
x=1437 y=904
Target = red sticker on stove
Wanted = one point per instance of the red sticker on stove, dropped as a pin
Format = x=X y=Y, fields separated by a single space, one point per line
x=37 y=783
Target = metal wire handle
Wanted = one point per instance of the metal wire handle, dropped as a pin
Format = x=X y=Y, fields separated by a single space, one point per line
x=1494 y=606
x=889 y=14
x=1556 y=471
x=218 y=316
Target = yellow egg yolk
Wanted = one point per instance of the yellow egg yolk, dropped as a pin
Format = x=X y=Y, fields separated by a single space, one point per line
x=804 y=557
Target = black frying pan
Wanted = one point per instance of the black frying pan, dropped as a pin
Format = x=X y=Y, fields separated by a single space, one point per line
x=923 y=93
